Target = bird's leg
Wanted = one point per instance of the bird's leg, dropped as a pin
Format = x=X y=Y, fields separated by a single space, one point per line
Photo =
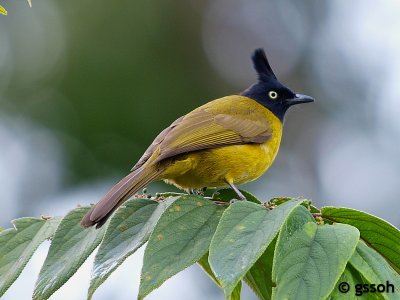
x=239 y=193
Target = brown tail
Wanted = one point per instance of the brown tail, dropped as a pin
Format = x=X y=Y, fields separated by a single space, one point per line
x=121 y=192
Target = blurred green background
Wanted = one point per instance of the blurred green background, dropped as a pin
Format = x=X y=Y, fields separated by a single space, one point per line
x=86 y=86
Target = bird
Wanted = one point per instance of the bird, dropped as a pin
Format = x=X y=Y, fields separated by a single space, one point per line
x=225 y=142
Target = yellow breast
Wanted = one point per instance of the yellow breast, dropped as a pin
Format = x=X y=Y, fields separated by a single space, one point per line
x=237 y=163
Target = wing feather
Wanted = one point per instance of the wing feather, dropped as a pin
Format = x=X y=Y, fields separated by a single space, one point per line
x=226 y=121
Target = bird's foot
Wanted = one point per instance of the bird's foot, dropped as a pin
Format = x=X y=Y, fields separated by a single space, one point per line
x=198 y=192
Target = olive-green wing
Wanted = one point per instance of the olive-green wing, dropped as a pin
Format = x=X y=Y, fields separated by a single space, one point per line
x=230 y=120
x=157 y=141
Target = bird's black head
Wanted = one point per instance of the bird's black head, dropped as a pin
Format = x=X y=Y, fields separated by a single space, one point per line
x=268 y=91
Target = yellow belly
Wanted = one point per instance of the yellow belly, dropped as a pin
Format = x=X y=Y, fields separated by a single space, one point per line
x=213 y=167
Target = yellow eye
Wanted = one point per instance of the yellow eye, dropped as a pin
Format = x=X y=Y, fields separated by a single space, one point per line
x=273 y=95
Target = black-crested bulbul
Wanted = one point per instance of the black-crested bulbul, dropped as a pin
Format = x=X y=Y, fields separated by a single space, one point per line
x=227 y=141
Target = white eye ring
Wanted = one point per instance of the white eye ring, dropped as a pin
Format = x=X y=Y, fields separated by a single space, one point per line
x=273 y=94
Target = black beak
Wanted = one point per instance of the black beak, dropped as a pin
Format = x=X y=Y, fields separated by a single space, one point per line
x=299 y=99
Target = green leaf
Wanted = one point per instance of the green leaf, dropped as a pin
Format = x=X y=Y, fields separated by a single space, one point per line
x=309 y=259
x=129 y=229
x=353 y=279
x=259 y=277
x=3 y=11
x=203 y=262
x=70 y=247
x=311 y=208
x=169 y=194
x=228 y=194
x=18 y=244
x=236 y=292
x=375 y=269
x=243 y=234
x=279 y=200
x=379 y=234
x=181 y=237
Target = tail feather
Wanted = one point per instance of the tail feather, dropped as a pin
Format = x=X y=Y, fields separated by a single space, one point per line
x=121 y=192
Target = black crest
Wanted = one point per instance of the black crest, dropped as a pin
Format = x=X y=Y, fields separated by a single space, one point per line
x=262 y=66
